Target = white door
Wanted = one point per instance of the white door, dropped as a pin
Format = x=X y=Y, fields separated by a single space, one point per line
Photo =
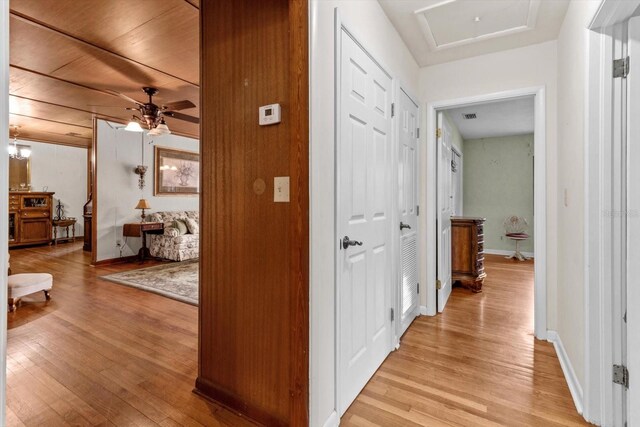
x=408 y=213
x=456 y=182
x=364 y=210
x=444 y=210
x=631 y=330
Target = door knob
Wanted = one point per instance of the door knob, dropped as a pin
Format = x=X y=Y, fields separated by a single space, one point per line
x=403 y=226
x=346 y=242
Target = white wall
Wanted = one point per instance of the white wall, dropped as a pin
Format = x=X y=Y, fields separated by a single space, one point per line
x=525 y=67
x=118 y=154
x=366 y=20
x=63 y=170
x=572 y=82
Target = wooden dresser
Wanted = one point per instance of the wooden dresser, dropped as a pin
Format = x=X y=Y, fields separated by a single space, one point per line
x=29 y=218
x=467 y=252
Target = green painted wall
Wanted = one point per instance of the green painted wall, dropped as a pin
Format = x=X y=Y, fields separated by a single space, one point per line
x=498 y=182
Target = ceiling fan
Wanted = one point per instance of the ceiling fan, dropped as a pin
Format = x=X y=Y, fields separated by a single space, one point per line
x=152 y=116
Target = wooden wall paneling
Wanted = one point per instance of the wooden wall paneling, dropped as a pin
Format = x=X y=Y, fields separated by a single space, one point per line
x=299 y=237
x=253 y=318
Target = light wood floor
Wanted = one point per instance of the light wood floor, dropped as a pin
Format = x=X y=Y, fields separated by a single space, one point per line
x=100 y=353
x=477 y=364
x=104 y=354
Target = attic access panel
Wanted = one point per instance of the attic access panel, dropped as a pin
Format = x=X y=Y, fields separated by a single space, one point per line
x=453 y=23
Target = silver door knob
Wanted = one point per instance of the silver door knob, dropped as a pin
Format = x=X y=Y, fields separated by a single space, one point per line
x=346 y=242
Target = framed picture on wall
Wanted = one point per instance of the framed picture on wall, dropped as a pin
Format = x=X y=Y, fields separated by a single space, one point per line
x=176 y=172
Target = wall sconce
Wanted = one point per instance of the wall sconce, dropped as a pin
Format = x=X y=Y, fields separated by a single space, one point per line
x=140 y=171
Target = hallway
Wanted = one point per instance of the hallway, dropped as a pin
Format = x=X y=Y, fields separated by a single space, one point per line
x=476 y=364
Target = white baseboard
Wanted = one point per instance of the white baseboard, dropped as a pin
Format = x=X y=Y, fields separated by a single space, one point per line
x=332 y=421
x=423 y=310
x=569 y=374
x=506 y=253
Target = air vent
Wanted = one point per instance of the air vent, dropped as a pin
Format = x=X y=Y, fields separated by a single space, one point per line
x=470 y=116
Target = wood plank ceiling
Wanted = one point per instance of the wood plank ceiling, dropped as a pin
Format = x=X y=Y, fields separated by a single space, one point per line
x=67 y=56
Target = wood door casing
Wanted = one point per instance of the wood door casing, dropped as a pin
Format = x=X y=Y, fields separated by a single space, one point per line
x=253 y=318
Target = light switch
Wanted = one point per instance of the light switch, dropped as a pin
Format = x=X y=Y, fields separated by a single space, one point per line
x=281 y=189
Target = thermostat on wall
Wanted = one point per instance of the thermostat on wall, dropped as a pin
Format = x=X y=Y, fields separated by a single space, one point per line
x=269 y=114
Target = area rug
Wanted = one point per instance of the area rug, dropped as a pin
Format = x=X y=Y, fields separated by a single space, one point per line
x=177 y=280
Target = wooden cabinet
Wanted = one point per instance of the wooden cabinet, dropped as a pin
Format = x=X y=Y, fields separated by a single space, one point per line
x=29 y=218
x=467 y=252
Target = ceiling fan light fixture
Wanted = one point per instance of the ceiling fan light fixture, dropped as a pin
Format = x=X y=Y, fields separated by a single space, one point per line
x=154 y=132
x=12 y=149
x=162 y=128
x=133 y=126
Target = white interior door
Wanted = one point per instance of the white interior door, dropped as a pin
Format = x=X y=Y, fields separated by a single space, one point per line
x=364 y=211
x=408 y=213
x=445 y=210
x=631 y=330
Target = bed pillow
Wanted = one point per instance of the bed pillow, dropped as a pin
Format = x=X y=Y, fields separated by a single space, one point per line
x=192 y=225
x=180 y=225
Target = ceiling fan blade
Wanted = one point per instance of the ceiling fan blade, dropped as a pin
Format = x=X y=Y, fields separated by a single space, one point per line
x=106 y=106
x=178 y=105
x=123 y=96
x=180 y=116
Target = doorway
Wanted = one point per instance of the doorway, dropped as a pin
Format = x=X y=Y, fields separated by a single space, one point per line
x=438 y=159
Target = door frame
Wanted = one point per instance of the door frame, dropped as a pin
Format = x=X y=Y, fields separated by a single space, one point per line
x=601 y=404
x=540 y=197
x=341 y=25
x=4 y=195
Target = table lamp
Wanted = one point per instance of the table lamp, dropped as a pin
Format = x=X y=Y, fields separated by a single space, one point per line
x=143 y=204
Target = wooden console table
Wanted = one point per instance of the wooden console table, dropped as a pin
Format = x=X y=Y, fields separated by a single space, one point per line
x=29 y=218
x=64 y=223
x=141 y=229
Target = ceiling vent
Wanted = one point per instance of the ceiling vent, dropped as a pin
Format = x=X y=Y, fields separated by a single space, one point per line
x=470 y=116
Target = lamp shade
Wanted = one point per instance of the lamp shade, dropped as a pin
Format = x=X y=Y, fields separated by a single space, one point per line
x=143 y=204
x=134 y=126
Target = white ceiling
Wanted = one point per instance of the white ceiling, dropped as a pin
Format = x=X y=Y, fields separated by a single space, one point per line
x=438 y=31
x=502 y=118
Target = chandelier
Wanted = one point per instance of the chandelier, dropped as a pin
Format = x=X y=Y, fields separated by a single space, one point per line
x=16 y=151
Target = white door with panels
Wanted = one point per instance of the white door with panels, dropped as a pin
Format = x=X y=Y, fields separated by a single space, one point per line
x=445 y=210
x=408 y=212
x=364 y=263
x=456 y=181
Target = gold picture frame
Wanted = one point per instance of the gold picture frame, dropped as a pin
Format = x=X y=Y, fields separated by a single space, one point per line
x=176 y=172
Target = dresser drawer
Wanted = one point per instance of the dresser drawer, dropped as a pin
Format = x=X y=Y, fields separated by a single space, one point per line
x=35 y=214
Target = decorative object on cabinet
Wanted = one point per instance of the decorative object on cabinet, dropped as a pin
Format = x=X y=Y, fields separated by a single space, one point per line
x=29 y=218
x=141 y=229
x=467 y=252
x=515 y=228
x=143 y=204
x=87 y=213
x=177 y=172
x=20 y=285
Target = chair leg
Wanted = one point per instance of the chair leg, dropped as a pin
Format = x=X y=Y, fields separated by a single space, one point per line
x=47 y=294
x=13 y=304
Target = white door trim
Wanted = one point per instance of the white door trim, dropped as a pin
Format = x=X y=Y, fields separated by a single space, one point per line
x=4 y=195
x=540 y=197
x=341 y=25
x=601 y=405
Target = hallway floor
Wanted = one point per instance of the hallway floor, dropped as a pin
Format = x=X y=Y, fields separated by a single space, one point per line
x=477 y=364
